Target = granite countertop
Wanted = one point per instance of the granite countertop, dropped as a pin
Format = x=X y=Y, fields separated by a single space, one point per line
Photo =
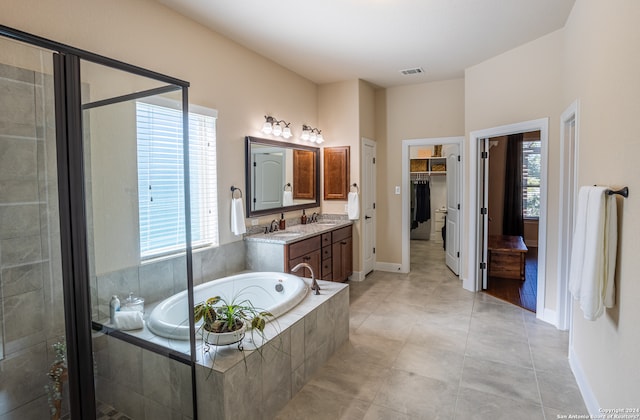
x=298 y=232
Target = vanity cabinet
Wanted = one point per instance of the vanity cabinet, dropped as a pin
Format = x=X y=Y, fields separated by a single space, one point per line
x=307 y=251
x=336 y=172
x=342 y=254
x=330 y=254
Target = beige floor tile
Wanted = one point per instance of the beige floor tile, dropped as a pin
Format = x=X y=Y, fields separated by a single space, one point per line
x=499 y=379
x=560 y=391
x=376 y=412
x=430 y=361
x=477 y=405
x=417 y=396
x=315 y=403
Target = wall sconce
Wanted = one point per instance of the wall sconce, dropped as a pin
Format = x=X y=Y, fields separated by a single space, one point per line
x=275 y=127
x=313 y=135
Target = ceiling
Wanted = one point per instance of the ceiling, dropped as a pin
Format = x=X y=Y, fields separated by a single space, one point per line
x=335 y=40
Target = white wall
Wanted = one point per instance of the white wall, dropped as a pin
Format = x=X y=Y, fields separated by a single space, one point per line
x=602 y=70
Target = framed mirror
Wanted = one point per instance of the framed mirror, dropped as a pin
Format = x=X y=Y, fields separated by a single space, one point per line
x=280 y=176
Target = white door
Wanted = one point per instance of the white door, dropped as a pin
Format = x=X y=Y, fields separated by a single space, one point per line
x=483 y=213
x=452 y=233
x=368 y=192
x=268 y=180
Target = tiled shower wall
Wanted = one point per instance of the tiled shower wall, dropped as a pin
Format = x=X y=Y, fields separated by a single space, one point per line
x=31 y=304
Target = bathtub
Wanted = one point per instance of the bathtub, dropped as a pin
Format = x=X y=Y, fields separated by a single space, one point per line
x=170 y=318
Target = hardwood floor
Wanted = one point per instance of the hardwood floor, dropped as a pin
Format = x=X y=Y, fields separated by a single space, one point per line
x=521 y=293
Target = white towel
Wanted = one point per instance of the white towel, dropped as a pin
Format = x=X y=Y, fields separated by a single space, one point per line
x=129 y=320
x=353 y=206
x=287 y=198
x=593 y=253
x=237 y=216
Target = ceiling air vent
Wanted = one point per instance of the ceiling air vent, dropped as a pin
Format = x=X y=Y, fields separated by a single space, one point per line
x=415 y=70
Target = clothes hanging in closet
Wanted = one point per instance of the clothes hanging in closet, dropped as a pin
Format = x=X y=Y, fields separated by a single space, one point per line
x=423 y=202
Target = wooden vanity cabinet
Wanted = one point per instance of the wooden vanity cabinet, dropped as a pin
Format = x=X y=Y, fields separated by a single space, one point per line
x=307 y=251
x=329 y=254
x=342 y=254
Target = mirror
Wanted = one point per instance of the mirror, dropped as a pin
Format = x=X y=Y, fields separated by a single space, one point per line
x=280 y=176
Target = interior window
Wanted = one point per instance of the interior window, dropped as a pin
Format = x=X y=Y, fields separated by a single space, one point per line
x=531 y=179
x=161 y=179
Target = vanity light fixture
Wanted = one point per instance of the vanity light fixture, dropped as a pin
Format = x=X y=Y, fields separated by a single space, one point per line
x=276 y=127
x=312 y=135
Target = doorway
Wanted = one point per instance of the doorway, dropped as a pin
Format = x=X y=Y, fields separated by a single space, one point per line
x=368 y=184
x=512 y=190
x=452 y=200
x=478 y=220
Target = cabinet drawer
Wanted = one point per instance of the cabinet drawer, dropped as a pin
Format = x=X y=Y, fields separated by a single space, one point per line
x=304 y=247
x=326 y=270
x=326 y=239
x=326 y=252
x=341 y=234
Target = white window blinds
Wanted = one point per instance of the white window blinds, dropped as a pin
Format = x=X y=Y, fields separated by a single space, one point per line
x=161 y=180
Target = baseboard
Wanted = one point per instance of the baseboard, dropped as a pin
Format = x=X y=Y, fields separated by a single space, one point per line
x=548 y=315
x=356 y=276
x=585 y=389
x=389 y=267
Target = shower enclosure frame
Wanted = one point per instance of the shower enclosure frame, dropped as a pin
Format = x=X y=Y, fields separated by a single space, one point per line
x=73 y=219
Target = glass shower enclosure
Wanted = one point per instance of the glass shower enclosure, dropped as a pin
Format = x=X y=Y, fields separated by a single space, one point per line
x=70 y=238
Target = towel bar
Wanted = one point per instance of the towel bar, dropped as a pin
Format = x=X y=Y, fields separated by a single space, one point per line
x=623 y=192
x=233 y=190
x=288 y=184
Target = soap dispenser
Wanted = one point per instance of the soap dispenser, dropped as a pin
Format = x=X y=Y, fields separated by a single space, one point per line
x=303 y=218
x=283 y=223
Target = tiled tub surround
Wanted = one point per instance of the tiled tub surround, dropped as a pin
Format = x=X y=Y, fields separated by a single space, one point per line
x=257 y=384
x=157 y=280
x=31 y=304
x=231 y=384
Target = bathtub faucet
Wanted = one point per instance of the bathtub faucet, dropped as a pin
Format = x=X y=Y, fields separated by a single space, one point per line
x=314 y=283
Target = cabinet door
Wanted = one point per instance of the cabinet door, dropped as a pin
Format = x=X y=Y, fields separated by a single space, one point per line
x=342 y=259
x=336 y=173
x=313 y=259
x=304 y=174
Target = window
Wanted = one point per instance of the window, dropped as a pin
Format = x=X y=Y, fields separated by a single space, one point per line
x=531 y=179
x=161 y=179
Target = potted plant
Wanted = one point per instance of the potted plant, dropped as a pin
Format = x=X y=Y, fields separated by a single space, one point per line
x=225 y=322
x=58 y=375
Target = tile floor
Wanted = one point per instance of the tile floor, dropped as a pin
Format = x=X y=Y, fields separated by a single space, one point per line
x=421 y=347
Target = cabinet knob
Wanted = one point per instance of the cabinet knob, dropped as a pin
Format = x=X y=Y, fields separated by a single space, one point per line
x=343 y=243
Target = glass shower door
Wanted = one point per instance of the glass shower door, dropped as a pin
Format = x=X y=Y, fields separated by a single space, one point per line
x=134 y=260
x=33 y=375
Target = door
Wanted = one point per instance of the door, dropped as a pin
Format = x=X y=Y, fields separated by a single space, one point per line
x=368 y=185
x=268 y=180
x=483 y=213
x=452 y=230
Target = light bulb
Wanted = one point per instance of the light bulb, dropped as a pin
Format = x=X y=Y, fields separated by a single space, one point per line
x=266 y=127
x=286 y=132
x=277 y=129
x=312 y=137
x=305 y=134
x=319 y=138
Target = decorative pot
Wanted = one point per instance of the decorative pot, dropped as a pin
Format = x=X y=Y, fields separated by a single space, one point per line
x=223 y=339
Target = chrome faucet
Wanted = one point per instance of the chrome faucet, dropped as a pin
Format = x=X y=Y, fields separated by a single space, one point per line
x=314 y=283
x=314 y=217
x=274 y=226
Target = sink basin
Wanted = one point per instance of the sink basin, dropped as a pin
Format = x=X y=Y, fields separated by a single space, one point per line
x=287 y=234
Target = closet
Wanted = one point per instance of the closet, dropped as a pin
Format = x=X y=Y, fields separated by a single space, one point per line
x=428 y=193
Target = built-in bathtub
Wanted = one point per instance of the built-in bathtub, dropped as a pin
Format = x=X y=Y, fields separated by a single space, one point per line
x=274 y=292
